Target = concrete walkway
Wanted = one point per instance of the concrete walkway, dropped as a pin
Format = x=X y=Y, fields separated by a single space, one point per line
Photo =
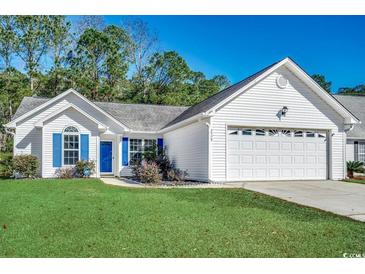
x=347 y=199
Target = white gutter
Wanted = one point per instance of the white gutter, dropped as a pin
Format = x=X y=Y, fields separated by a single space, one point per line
x=190 y=120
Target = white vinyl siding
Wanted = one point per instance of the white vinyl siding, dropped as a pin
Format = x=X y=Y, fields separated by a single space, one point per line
x=188 y=148
x=28 y=139
x=57 y=124
x=259 y=107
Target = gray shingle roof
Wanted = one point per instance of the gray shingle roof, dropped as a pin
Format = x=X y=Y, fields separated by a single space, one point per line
x=210 y=102
x=140 y=116
x=27 y=104
x=150 y=117
x=135 y=116
x=355 y=104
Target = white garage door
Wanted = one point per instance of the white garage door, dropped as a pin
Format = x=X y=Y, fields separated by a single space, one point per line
x=276 y=154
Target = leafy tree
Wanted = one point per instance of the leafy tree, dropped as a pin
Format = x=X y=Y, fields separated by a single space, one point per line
x=89 y=22
x=31 y=42
x=101 y=62
x=358 y=90
x=171 y=81
x=14 y=86
x=321 y=80
x=59 y=39
x=7 y=39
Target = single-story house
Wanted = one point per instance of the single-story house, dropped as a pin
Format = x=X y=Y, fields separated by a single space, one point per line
x=277 y=124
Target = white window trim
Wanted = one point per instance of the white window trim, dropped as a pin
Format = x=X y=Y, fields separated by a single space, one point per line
x=360 y=153
x=142 y=145
x=63 y=144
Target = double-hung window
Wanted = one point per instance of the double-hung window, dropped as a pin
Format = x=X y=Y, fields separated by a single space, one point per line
x=360 y=151
x=138 y=147
x=70 y=145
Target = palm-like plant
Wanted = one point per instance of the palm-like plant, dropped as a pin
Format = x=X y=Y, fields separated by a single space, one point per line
x=354 y=166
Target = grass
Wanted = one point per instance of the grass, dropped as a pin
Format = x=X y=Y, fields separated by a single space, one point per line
x=85 y=218
x=355 y=180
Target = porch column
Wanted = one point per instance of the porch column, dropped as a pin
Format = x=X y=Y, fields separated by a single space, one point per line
x=118 y=155
x=97 y=160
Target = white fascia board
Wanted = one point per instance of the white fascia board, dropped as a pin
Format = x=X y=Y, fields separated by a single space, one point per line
x=349 y=117
x=188 y=121
x=54 y=99
x=328 y=98
x=250 y=84
x=144 y=131
x=40 y=123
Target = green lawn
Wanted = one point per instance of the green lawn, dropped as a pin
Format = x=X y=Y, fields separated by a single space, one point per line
x=85 y=218
x=357 y=181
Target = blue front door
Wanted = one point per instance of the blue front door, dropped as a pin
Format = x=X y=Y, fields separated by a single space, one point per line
x=106 y=156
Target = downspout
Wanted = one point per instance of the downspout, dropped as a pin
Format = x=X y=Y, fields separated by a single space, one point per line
x=209 y=149
x=346 y=129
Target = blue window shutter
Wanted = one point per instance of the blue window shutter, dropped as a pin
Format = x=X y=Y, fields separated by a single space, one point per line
x=57 y=149
x=84 y=147
x=160 y=145
x=125 y=151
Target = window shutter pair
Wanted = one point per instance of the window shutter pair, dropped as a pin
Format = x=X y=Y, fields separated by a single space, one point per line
x=57 y=148
x=125 y=149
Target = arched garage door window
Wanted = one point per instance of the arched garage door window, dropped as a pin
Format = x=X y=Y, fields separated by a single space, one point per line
x=70 y=145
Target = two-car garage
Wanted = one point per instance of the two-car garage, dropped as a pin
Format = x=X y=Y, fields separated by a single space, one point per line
x=276 y=154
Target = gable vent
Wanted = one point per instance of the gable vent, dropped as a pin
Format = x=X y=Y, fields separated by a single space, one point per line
x=281 y=81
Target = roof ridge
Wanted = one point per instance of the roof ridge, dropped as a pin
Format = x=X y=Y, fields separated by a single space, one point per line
x=142 y=104
x=119 y=103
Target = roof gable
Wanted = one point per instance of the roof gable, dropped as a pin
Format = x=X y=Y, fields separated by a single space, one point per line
x=40 y=123
x=137 y=117
x=214 y=102
x=356 y=104
x=43 y=103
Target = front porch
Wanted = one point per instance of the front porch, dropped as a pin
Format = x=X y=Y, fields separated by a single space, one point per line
x=114 y=152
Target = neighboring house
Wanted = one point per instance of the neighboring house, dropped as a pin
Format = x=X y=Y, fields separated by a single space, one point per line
x=355 y=147
x=277 y=124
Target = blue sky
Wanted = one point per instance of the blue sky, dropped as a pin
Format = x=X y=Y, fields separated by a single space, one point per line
x=237 y=46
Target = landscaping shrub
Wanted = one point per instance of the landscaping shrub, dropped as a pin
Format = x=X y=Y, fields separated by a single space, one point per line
x=6 y=164
x=148 y=173
x=65 y=172
x=354 y=166
x=84 y=168
x=177 y=174
x=155 y=166
x=25 y=166
x=164 y=164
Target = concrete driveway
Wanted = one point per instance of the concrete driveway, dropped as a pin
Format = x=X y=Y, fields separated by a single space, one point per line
x=341 y=198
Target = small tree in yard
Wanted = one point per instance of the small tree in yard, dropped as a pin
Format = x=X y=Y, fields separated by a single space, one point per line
x=25 y=166
x=354 y=166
